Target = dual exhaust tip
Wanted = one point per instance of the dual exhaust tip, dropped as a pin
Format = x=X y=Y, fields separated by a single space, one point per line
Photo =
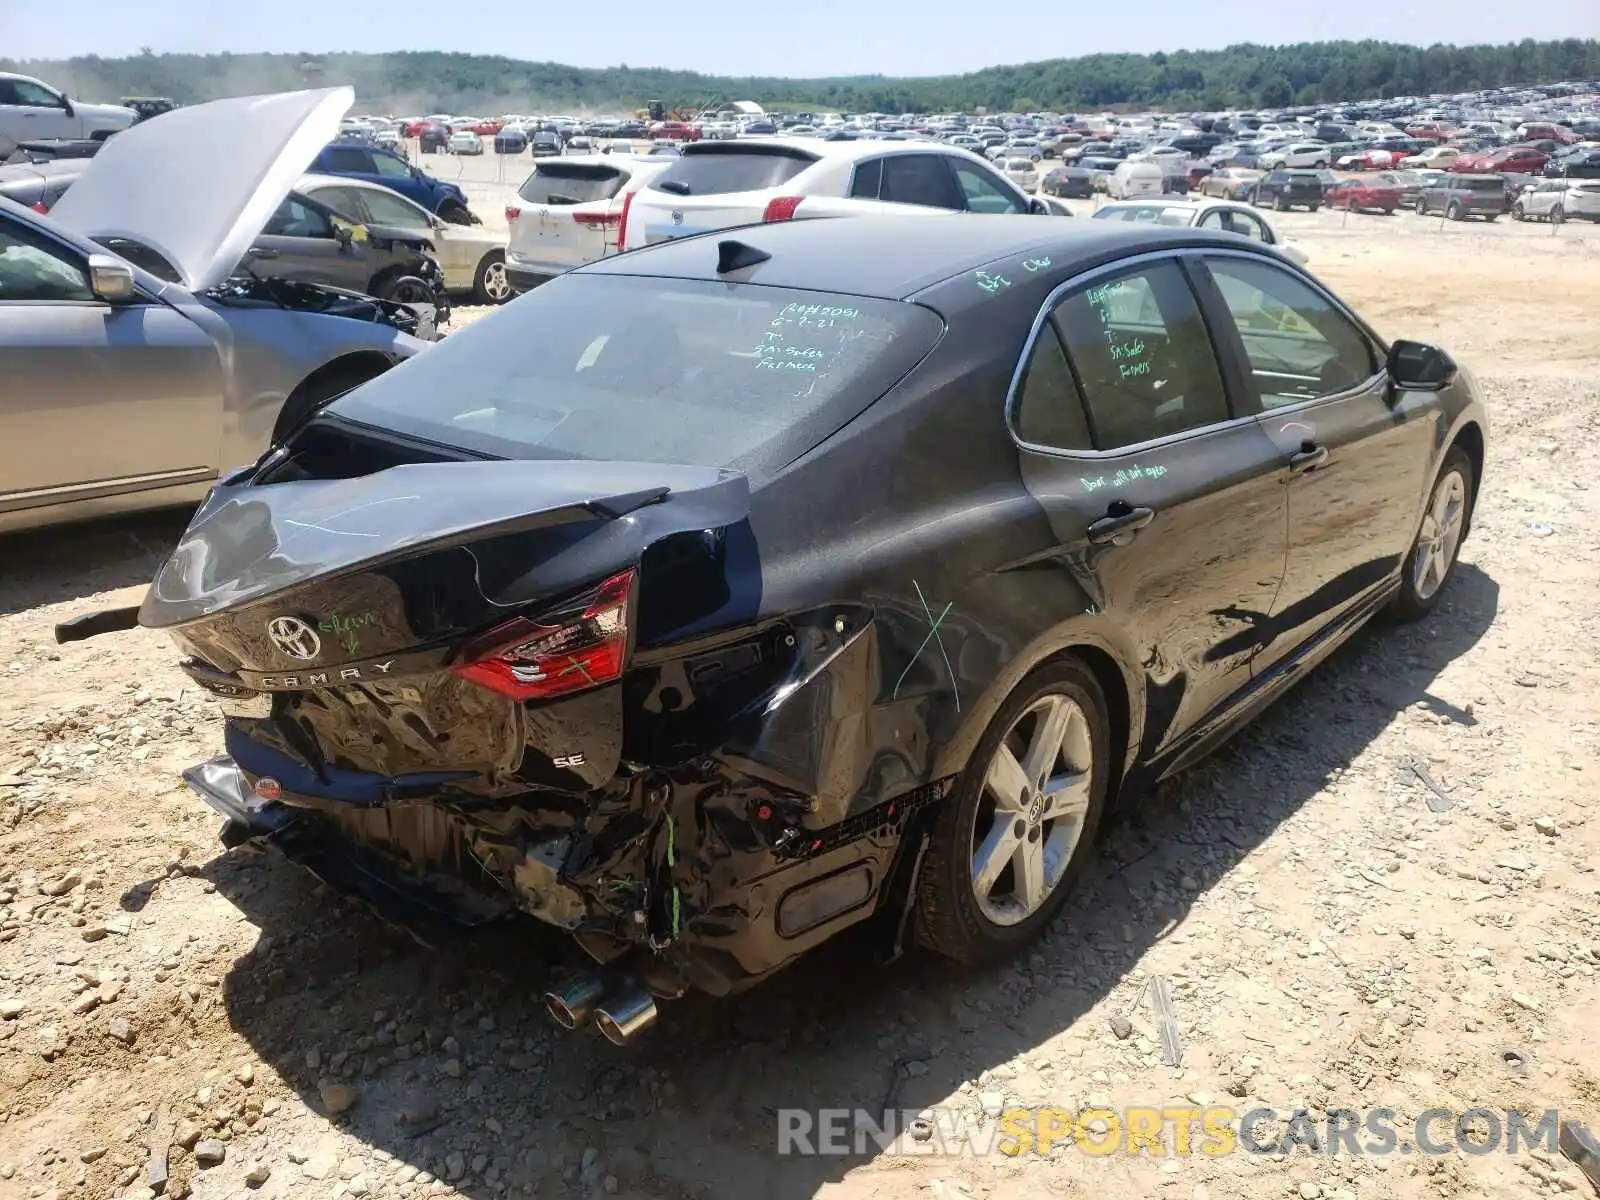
x=621 y=1013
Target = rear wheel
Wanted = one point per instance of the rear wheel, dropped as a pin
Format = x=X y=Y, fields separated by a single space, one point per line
x=1557 y=215
x=1453 y=211
x=1019 y=827
x=491 y=286
x=1519 y=213
x=1432 y=560
x=1277 y=203
x=457 y=213
x=1422 y=207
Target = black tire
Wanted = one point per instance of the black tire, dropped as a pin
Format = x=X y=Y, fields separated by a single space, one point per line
x=1314 y=207
x=457 y=213
x=1409 y=604
x=1422 y=207
x=1557 y=215
x=1453 y=211
x=1277 y=203
x=948 y=918
x=490 y=285
x=405 y=289
x=1518 y=212
x=1320 y=165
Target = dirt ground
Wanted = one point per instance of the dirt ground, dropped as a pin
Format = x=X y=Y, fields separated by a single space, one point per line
x=1329 y=940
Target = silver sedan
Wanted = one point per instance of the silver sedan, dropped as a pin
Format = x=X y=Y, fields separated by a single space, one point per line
x=474 y=258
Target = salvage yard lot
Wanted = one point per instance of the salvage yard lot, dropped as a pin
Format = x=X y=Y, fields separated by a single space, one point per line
x=1328 y=938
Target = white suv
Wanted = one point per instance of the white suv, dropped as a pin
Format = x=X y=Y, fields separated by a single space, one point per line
x=1555 y=200
x=717 y=185
x=569 y=212
x=1296 y=154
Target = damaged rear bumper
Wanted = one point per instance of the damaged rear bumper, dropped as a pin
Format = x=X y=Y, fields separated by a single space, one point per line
x=661 y=882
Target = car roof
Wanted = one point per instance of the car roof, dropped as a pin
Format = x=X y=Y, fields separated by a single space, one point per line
x=893 y=257
x=848 y=150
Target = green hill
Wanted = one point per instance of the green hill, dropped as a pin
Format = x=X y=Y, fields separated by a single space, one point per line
x=1245 y=75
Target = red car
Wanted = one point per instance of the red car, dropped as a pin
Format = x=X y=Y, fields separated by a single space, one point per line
x=675 y=131
x=1371 y=195
x=488 y=128
x=1431 y=133
x=1517 y=159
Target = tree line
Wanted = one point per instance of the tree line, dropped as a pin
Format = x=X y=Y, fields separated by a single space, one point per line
x=1235 y=77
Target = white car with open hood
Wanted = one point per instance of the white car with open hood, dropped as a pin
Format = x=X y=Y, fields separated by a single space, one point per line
x=717 y=185
x=140 y=365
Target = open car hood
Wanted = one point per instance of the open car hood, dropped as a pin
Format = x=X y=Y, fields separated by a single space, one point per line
x=199 y=185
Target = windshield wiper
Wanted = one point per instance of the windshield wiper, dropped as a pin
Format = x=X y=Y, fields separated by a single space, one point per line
x=676 y=186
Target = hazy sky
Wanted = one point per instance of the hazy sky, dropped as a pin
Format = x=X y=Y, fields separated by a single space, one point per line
x=816 y=37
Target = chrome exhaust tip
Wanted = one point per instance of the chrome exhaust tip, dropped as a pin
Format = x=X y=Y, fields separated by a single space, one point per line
x=625 y=1015
x=572 y=1006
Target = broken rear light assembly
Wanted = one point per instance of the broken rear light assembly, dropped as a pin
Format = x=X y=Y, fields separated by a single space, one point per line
x=582 y=645
x=781 y=208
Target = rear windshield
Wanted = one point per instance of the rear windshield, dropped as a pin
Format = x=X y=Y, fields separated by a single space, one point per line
x=1483 y=185
x=571 y=183
x=642 y=369
x=715 y=170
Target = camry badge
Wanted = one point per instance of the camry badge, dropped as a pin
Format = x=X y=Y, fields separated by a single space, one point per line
x=294 y=637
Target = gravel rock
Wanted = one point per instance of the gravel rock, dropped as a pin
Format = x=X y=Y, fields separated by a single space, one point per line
x=11 y=1008
x=336 y=1097
x=209 y=1152
x=121 y=1030
x=258 y=1174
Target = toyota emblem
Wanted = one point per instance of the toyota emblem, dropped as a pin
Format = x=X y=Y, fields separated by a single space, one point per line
x=294 y=637
x=677 y=216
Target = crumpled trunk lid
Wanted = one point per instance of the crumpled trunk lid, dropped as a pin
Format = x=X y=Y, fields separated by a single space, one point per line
x=331 y=615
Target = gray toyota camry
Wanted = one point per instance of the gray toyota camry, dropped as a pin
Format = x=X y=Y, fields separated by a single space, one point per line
x=725 y=594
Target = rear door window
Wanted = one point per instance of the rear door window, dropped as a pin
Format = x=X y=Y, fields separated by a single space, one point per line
x=1140 y=350
x=295 y=218
x=571 y=183
x=715 y=170
x=643 y=369
x=920 y=179
x=867 y=179
x=350 y=160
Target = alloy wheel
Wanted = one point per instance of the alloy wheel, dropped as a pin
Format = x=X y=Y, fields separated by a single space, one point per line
x=1440 y=536
x=1030 y=818
x=495 y=284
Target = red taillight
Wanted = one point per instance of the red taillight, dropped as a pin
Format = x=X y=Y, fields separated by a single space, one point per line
x=781 y=208
x=582 y=646
x=622 y=223
x=596 y=220
x=512 y=212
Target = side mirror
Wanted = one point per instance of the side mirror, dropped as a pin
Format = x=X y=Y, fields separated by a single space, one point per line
x=110 y=279
x=1419 y=367
x=1038 y=207
x=66 y=103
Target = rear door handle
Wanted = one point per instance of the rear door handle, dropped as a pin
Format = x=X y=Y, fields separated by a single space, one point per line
x=1119 y=525
x=262 y=252
x=1309 y=457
